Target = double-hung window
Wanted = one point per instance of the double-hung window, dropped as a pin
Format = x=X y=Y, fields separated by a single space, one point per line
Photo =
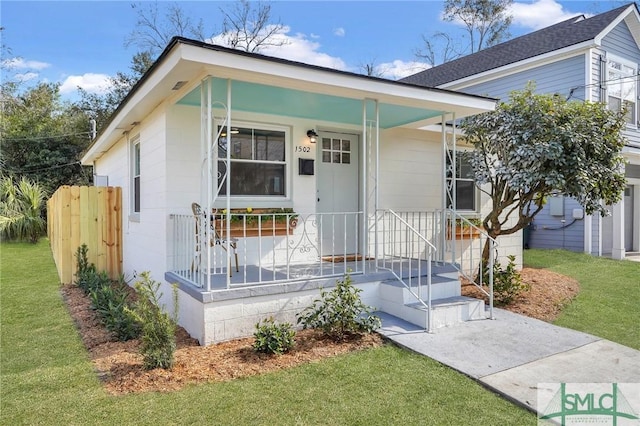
x=465 y=189
x=622 y=87
x=258 y=162
x=135 y=175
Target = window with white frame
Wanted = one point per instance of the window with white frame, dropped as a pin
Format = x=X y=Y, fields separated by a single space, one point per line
x=135 y=175
x=466 y=194
x=622 y=82
x=258 y=161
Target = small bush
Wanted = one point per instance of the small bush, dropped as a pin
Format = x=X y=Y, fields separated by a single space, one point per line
x=340 y=312
x=108 y=299
x=157 y=326
x=111 y=302
x=273 y=338
x=85 y=271
x=507 y=283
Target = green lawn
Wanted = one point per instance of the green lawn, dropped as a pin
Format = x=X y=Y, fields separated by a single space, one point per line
x=608 y=303
x=46 y=376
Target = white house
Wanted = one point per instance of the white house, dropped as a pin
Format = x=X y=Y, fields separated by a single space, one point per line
x=324 y=172
x=583 y=58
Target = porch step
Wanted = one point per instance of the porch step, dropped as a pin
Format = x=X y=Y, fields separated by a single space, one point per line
x=446 y=312
x=441 y=288
x=448 y=306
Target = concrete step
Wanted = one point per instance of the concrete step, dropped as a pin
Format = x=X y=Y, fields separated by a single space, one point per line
x=446 y=312
x=441 y=288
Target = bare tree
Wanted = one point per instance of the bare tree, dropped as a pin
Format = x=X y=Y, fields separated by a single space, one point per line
x=371 y=68
x=155 y=27
x=486 y=21
x=438 y=49
x=247 y=26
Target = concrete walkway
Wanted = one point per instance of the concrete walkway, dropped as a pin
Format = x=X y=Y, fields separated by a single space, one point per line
x=513 y=353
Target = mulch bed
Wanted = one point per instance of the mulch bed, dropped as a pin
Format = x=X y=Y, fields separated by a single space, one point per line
x=120 y=366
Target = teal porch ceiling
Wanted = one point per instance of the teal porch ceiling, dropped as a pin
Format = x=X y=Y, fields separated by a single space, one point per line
x=260 y=98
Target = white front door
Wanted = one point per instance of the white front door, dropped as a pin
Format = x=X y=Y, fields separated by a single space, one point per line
x=337 y=198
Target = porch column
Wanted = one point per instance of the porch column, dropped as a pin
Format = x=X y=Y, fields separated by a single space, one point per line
x=206 y=136
x=588 y=233
x=617 y=251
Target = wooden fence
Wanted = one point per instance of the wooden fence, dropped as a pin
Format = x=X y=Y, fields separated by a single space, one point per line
x=88 y=215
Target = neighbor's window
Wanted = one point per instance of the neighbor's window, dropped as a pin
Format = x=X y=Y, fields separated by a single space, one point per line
x=622 y=84
x=135 y=184
x=465 y=185
x=258 y=161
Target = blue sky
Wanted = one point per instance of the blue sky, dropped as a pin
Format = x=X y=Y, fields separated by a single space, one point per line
x=81 y=43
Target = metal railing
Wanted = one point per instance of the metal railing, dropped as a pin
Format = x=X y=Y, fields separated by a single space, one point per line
x=467 y=242
x=215 y=254
x=457 y=240
x=407 y=254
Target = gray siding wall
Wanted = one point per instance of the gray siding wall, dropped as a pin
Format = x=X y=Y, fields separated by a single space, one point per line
x=558 y=77
x=549 y=231
x=620 y=42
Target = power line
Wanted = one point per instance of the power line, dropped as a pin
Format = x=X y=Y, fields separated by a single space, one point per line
x=46 y=137
x=45 y=168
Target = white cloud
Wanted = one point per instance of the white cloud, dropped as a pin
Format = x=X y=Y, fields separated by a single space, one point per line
x=340 y=32
x=92 y=83
x=399 y=69
x=540 y=14
x=26 y=76
x=296 y=47
x=21 y=64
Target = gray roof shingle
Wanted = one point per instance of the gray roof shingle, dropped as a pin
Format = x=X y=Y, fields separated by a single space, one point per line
x=564 y=34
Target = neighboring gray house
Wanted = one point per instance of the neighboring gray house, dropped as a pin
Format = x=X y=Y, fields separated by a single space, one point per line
x=595 y=59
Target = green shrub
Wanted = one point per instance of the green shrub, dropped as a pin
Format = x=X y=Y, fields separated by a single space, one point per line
x=507 y=283
x=86 y=273
x=340 y=312
x=157 y=326
x=21 y=209
x=111 y=302
x=108 y=299
x=273 y=338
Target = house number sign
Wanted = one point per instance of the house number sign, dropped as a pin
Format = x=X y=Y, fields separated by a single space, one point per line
x=300 y=148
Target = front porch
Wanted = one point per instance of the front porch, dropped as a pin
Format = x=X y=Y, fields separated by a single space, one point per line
x=400 y=271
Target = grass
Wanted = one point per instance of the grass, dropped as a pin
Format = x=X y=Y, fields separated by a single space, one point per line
x=607 y=305
x=46 y=376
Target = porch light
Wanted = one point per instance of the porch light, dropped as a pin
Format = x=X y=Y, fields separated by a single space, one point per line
x=234 y=131
x=313 y=136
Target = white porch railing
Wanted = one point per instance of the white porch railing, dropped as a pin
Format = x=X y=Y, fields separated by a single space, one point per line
x=265 y=248
x=456 y=239
x=407 y=254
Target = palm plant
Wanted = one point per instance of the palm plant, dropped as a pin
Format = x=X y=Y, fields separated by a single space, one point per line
x=21 y=205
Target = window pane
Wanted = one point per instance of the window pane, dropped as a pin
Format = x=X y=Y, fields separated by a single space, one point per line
x=241 y=146
x=336 y=144
x=631 y=113
x=326 y=143
x=326 y=156
x=136 y=159
x=614 y=104
x=465 y=195
x=136 y=194
x=255 y=179
x=336 y=157
x=346 y=158
x=269 y=145
x=346 y=145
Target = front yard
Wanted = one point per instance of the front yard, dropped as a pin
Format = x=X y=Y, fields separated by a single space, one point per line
x=47 y=377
